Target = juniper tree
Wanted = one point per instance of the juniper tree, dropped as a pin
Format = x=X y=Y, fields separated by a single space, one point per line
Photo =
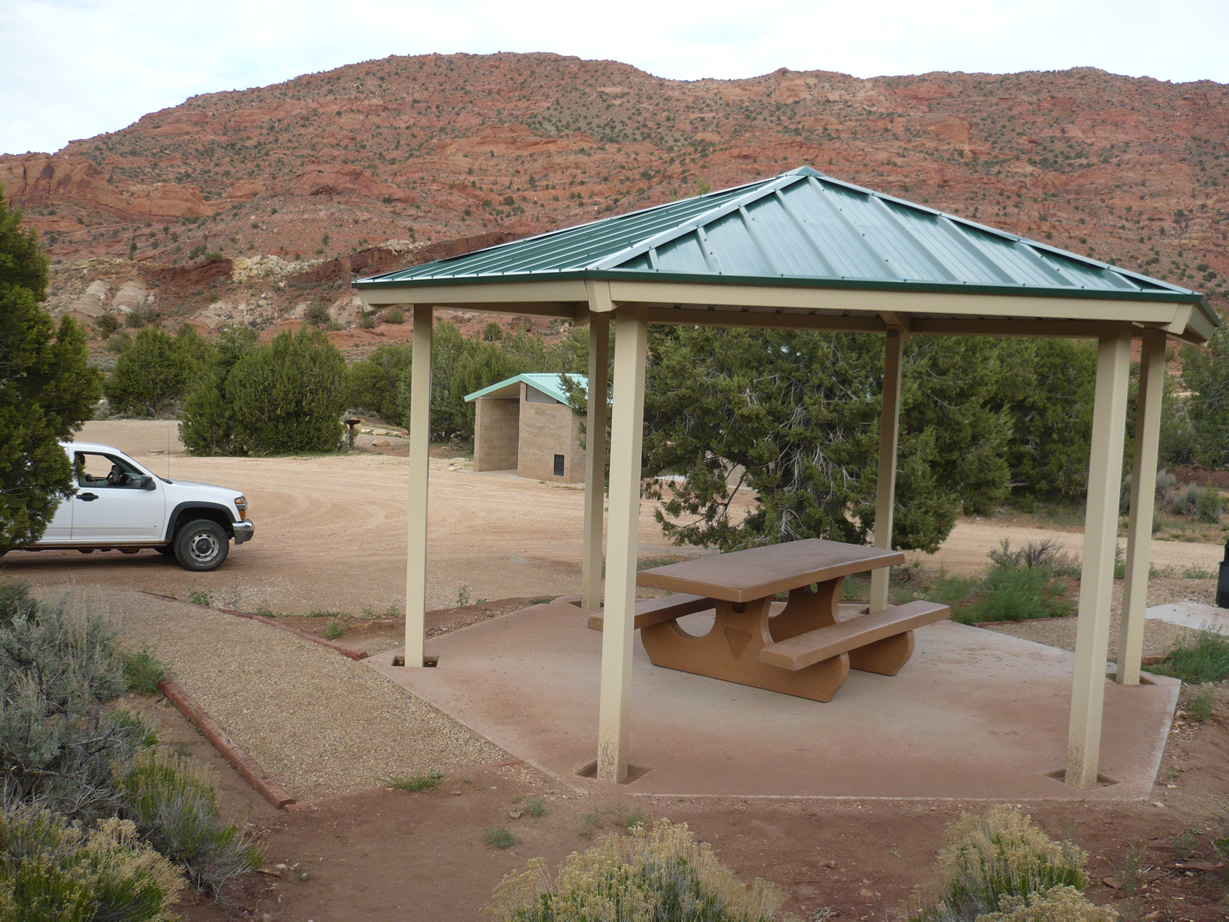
x=47 y=389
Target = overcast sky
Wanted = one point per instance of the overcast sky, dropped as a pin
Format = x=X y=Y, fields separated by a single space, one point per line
x=77 y=68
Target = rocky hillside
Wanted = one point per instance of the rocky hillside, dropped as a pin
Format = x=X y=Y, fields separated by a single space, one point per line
x=250 y=206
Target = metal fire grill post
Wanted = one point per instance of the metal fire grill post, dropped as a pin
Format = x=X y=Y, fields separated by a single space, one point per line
x=1222 y=581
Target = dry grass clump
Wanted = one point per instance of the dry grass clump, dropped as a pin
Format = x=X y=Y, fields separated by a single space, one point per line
x=50 y=868
x=654 y=874
x=988 y=861
x=1058 y=904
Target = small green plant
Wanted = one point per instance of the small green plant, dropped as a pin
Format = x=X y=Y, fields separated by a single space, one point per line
x=463 y=595
x=591 y=822
x=231 y=597
x=200 y=597
x=499 y=837
x=652 y=874
x=536 y=807
x=1017 y=594
x=176 y=811
x=628 y=819
x=325 y=613
x=414 y=783
x=1131 y=877
x=1200 y=703
x=143 y=671
x=394 y=316
x=334 y=630
x=1205 y=658
x=1186 y=843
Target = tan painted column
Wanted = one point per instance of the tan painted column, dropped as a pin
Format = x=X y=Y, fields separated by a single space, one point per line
x=1100 y=541
x=416 y=530
x=885 y=486
x=626 y=439
x=1143 y=493
x=595 y=461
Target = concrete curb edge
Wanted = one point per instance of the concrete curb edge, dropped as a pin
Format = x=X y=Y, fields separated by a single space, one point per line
x=243 y=763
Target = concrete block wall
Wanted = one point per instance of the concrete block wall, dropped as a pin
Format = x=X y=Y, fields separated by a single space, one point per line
x=496 y=433
x=546 y=430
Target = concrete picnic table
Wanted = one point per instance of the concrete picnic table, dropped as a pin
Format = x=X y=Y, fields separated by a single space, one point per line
x=805 y=648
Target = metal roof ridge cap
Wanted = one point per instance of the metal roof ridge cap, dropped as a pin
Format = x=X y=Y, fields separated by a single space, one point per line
x=762 y=188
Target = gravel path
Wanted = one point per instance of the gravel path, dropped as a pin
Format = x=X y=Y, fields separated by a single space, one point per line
x=317 y=722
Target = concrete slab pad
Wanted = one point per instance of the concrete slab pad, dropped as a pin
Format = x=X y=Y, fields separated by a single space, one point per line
x=1192 y=614
x=974 y=714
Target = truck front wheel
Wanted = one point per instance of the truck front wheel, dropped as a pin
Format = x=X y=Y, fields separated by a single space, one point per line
x=201 y=545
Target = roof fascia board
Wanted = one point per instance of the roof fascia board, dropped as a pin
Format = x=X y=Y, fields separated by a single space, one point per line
x=509 y=389
x=880 y=301
x=972 y=326
x=1194 y=322
x=765 y=320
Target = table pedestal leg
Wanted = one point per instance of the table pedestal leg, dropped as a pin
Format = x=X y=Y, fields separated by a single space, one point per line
x=886 y=657
x=730 y=651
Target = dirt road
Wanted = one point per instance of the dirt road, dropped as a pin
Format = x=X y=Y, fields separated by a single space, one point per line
x=331 y=533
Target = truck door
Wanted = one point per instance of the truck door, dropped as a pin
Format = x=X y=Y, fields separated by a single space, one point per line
x=116 y=502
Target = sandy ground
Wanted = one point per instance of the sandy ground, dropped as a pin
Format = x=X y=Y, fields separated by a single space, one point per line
x=331 y=537
x=331 y=533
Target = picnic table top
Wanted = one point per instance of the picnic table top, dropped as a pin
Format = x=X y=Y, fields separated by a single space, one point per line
x=758 y=572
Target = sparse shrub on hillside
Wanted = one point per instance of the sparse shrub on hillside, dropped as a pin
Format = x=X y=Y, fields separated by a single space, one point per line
x=106 y=325
x=317 y=315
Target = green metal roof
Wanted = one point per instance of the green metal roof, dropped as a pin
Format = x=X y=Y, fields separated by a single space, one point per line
x=549 y=384
x=799 y=229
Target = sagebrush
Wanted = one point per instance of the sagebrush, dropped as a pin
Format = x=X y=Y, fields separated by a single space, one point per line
x=654 y=874
x=992 y=857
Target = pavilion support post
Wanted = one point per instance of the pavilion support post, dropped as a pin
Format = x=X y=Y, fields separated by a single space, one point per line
x=595 y=461
x=416 y=530
x=626 y=438
x=1100 y=542
x=1143 y=491
x=885 y=486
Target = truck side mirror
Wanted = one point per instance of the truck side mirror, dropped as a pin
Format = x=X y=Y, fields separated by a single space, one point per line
x=147 y=483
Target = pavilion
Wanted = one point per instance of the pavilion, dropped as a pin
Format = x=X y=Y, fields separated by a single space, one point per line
x=805 y=251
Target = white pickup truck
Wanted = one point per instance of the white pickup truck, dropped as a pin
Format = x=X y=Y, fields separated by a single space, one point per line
x=119 y=505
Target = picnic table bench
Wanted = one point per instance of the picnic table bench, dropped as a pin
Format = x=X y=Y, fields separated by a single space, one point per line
x=805 y=647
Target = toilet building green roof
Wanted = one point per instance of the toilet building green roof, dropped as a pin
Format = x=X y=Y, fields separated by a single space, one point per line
x=805 y=231
x=549 y=384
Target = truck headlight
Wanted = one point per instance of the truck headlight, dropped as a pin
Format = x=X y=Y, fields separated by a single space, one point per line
x=241 y=503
